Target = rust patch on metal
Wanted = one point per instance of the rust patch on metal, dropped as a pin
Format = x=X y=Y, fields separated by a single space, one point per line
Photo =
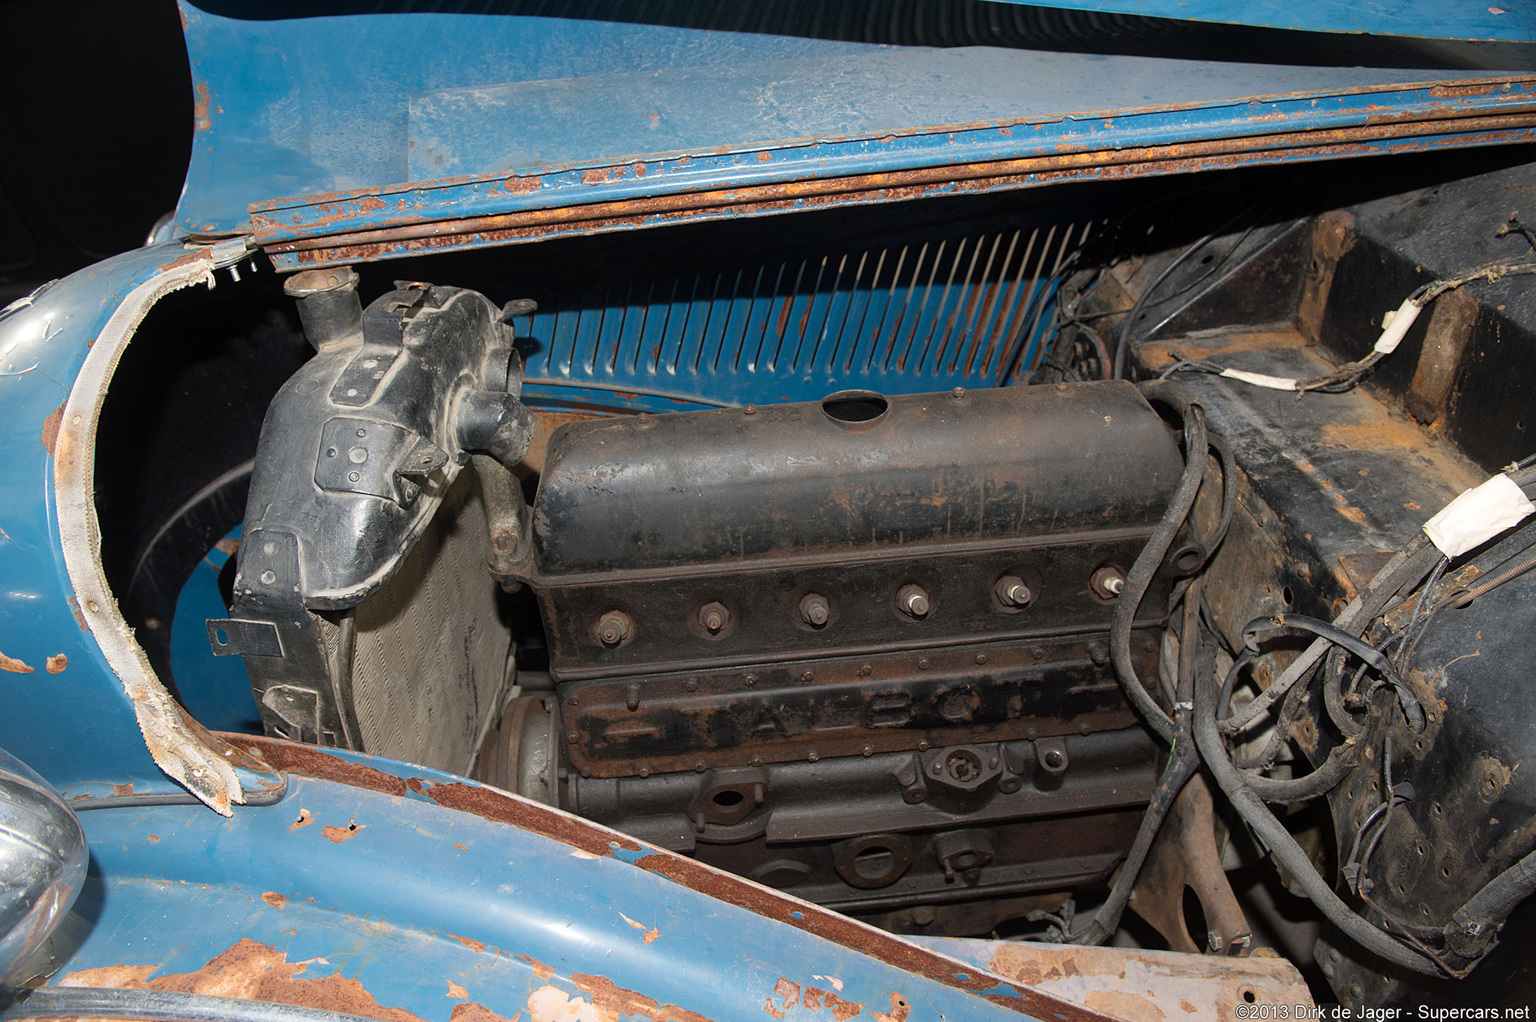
x=899 y=1010
x=74 y=607
x=250 y=971
x=10 y=663
x=599 y=175
x=522 y=185
x=786 y=990
x=540 y=970
x=200 y=108
x=311 y=762
x=454 y=990
x=228 y=545
x=1333 y=234
x=616 y=1002
x=1370 y=436
x=1124 y=1004
x=56 y=663
x=121 y=790
x=493 y=805
x=1451 y=327
x=474 y=945
x=370 y=203
x=337 y=835
x=304 y=820
x=1151 y=986
x=274 y=899
x=51 y=429
x=473 y=1012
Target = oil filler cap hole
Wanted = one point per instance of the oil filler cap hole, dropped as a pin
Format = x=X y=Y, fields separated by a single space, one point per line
x=854 y=409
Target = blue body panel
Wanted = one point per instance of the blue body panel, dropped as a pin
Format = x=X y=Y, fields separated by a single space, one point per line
x=67 y=715
x=398 y=118
x=1424 y=19
x=429 y=908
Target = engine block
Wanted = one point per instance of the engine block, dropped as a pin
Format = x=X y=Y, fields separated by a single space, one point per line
x=904 y=601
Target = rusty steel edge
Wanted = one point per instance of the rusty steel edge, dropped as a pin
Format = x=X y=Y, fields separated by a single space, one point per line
x=497 y=806
x=760 y=200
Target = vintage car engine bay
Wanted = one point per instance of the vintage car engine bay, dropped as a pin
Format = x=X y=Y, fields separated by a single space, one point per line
x=1096 y=577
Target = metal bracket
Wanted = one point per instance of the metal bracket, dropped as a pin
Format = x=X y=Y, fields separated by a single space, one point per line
x=377 y=458
x=234 y=637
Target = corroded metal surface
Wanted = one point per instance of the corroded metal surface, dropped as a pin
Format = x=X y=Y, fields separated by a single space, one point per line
x=419 y=232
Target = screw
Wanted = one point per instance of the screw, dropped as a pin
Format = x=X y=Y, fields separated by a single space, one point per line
x=814 y=609
x=614 y=628
x=749 y=410
x=643 y=420
x=913 y=600
x=957 y=393
x=981 y=658
x=1012 y=591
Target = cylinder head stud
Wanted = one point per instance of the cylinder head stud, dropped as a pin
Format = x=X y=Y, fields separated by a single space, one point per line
x=713 y=617
x=1108 y=582
x=613 y=628
x=815 y=610
x=913 y=600
x=1012 y=592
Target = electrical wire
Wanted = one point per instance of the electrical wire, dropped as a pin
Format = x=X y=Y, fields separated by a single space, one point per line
x=1283 y=846
x=1139 y=578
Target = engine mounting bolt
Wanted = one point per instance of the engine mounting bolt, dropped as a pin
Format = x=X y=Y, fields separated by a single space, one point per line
x=613 y=628
x=981 y=658
x=751 y=680
x=698 y=766
x=813 y=756
x=815 y=610
x=922 y=665
x=913 y=600
x=643 y=421
x=869 y=750
x=1012 y=591
x=571 y=736
x=692 y=685
x=957 y=393
x=1037 y=652
x=749 y=410
x=644 y=771
x=808 y=676
x=1062 y=388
